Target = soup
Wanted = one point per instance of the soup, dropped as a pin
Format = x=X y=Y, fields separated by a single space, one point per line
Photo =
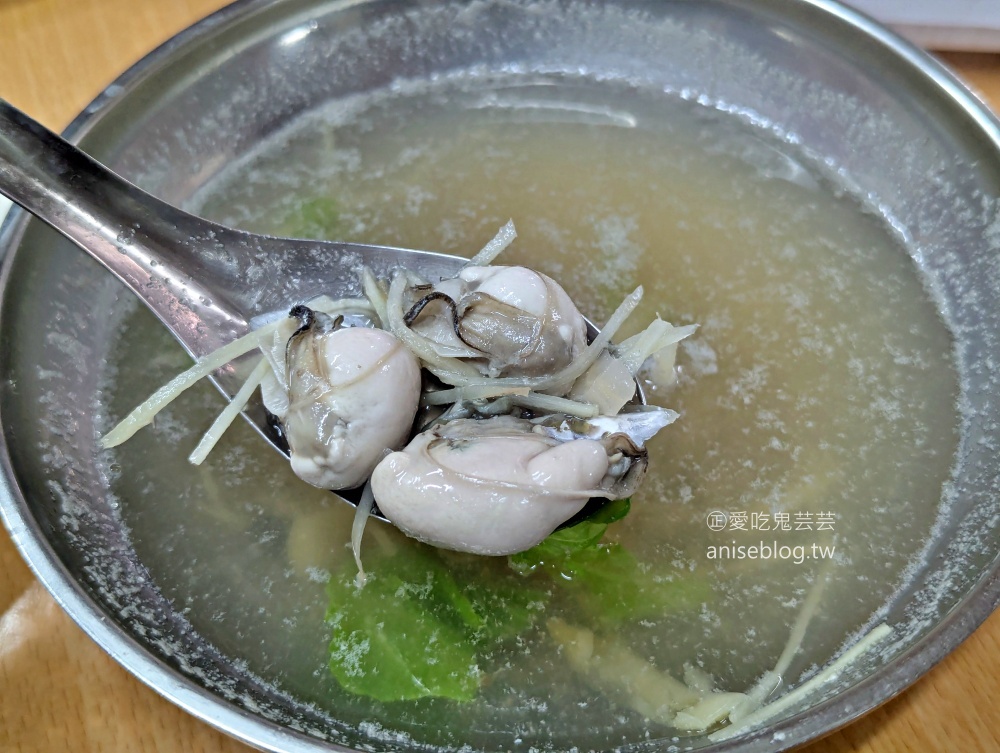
x=817 y=403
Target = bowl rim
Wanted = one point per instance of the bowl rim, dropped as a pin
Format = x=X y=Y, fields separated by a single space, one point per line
x=816 y=721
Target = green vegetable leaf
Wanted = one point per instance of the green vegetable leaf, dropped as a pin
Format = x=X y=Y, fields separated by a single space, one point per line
x=582 y=535
x=386 y=643
x=415 y=628
x=313 y=218
x=508 y=607
x=611 y=511
x=606 y=579
x=613 y=586
x=421 y=624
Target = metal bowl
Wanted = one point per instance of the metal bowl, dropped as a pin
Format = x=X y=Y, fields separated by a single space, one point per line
x=907 y=137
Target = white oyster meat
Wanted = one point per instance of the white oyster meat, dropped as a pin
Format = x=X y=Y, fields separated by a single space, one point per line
x=499 y=485
x=350 y=394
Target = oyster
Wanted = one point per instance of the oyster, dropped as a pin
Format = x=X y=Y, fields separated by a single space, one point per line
x=507 y=321
x=500 y=485
x=351 y=394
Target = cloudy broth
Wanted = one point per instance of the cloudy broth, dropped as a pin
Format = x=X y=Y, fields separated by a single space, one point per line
x=817 y=397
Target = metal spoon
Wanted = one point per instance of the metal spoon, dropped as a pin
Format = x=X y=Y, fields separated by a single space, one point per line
x=204 y=281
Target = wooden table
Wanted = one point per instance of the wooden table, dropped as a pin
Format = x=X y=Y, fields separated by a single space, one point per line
x=59 y=691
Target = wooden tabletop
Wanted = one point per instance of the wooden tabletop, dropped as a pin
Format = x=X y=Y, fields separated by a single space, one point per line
x=59 y=692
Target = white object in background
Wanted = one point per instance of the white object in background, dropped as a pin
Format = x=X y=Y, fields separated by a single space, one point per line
x=972 y=25
x=4 y=206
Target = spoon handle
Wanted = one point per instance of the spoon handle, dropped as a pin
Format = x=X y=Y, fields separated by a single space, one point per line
x=158 y=251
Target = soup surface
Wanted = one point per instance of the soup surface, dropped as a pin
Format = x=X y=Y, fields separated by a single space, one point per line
x=817 y=404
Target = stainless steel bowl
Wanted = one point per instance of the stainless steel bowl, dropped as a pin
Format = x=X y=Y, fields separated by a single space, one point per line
x=911 y=141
